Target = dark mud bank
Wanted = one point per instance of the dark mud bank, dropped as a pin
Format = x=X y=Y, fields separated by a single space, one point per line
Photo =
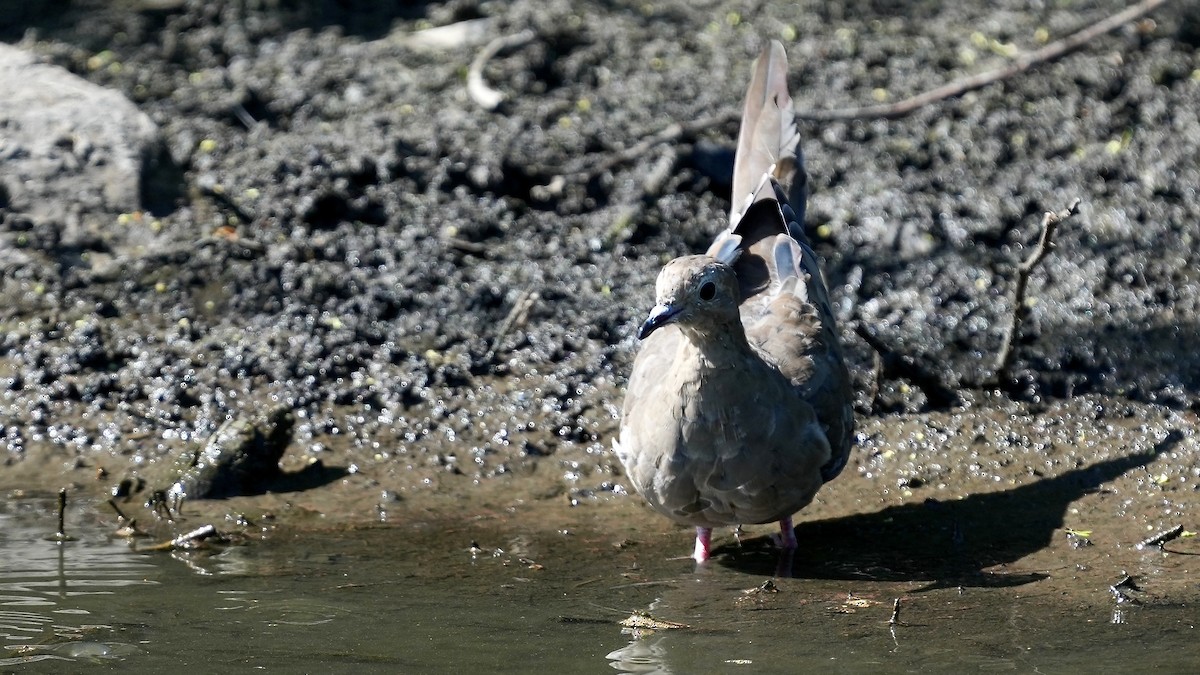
x=331 y=224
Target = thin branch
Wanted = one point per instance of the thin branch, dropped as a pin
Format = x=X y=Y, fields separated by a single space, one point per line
x=1050 y=223
x=629 y=214
x=61 y=535
x=876 y=380
x=1161 y=538
x=895 y=613
x=186 y=540
x=517 y=316
x=670 y=134
x=467 y=246
x=1024 y=62
x=126 y=526
x=479 y=91
x=451 y=36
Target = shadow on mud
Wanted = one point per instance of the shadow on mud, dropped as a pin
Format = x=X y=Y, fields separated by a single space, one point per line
x=946 y=543
x=310 y=477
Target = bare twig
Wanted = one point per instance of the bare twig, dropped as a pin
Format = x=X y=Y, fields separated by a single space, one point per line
x=630 y=212
x=1119 y=590
x=126 y=526
x=1127 y=581
x=61 y=535
x=895 y=613
x=62 y=507
x=876 y=379
x=451 y=36
x=654 y=182
x=184 y=540
x=517 y=316
x=467 y=246
x=670 y=134
x=479 y=91
x=121 y=517
x=1019 y=65
x=1162 y=537
x=1050 y=222
x=244 y=116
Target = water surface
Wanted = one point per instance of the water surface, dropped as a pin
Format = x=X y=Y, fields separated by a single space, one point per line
x=420 y=597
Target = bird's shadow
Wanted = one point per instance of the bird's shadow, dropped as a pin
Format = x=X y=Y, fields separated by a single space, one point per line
x=312 y=476
x=948 y=544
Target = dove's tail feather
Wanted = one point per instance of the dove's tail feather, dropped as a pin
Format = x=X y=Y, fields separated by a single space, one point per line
x=769 y=142
x=768 y=161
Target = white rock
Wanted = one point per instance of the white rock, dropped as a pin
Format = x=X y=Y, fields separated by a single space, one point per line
x=69 y=148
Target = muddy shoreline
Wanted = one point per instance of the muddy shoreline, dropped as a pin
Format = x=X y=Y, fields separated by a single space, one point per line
x=333 y=225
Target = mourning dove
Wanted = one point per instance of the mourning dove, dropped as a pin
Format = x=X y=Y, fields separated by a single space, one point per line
x=738 y=408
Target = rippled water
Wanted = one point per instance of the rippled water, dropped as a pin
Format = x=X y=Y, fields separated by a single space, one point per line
x=419 y=598
x=53 y=595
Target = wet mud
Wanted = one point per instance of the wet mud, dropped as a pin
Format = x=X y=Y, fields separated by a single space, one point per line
x=445 y=297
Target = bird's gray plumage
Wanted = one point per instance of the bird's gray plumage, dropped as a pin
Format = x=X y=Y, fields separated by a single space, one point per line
x=739 y=404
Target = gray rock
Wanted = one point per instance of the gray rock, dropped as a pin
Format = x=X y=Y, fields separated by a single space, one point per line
x=67 y=146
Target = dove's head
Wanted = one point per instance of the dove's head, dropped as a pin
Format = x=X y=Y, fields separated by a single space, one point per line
x=694 y=292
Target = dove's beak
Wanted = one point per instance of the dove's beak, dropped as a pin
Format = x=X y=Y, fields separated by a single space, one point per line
x=660 y=316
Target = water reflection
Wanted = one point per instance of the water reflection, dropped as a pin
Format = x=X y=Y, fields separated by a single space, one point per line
x=413 y=598
x=646 y=656
x=49 y=590
x=274 y=612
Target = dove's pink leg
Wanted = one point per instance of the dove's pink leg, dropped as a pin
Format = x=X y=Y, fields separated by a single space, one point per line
x=787 y=535
x=703 y=543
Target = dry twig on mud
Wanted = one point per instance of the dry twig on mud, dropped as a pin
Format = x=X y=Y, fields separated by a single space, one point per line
x=1161 y=538
x=895 y=613
x=517 y=316
x=1050 y=222
x=126 y=526
x=451 y=36
x=671 y=133
x=1020 y=64
x=651 y=188
x=479 y=91
x=467 y=246
x=890 y=363
x=1119 y=590
x=185 y=540
x=876 y=379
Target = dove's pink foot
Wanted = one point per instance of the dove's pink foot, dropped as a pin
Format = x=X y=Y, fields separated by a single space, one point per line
x=786 y=539
x=703 y=544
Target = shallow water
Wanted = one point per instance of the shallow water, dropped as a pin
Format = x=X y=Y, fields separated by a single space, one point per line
x=418 y=597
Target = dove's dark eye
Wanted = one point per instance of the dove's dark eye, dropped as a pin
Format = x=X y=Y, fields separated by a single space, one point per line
x=708 y=291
